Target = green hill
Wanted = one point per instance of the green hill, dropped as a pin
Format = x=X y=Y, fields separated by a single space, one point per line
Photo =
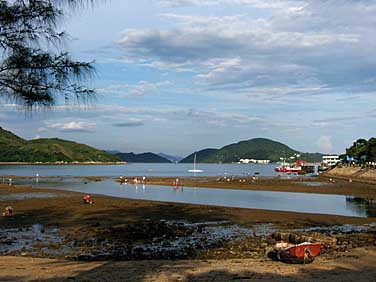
x=312 y=157
x=16 y=149
x=257 y=148
x=142 y=158
x=8 y=138
x=201 y=156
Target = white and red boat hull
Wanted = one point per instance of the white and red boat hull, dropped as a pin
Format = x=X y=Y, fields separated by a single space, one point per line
x=288 y=169
x=300 y=253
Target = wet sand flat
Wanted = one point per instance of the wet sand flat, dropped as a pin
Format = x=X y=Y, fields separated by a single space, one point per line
x=320 y=185
x=69 y=211
x=118 y=220
x=299 y=184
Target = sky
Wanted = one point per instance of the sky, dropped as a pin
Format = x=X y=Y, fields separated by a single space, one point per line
x=176 y=76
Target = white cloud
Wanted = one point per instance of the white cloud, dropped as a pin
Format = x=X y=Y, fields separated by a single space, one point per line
x=73 y=126
x=130 y=122
x=261 y=4
x=300 y=46
x=325 y=144
x=131 y=90
x=41 y=129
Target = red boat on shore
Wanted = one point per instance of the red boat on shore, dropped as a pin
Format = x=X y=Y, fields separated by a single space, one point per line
x=290 y=168
x=300 y=253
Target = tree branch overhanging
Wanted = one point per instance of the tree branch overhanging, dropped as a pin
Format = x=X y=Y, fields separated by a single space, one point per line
x=31 y=74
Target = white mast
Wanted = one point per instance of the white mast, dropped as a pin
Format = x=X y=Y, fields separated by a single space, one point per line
x=194 y=166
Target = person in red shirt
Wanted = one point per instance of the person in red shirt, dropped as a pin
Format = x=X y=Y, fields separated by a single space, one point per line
x=87 y=200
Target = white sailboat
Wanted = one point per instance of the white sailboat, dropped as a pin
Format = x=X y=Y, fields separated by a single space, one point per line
x=194 y=166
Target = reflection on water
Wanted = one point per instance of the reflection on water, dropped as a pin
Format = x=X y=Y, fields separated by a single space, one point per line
x=281 y=201
x=362 y=204
x=313 y=183
x=16 y=240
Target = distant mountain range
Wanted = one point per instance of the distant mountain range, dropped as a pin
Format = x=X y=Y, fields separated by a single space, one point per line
x=174 y=159
x=113 y=152
x=16 y=149
x=257 y=148
x=202 y=156
x=142 y=158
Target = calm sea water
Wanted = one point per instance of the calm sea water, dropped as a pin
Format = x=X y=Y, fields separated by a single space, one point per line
x=281 y=201
x=136 y=170
x=297 y=202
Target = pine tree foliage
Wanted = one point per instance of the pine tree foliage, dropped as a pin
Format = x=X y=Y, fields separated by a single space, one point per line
x=34 y=70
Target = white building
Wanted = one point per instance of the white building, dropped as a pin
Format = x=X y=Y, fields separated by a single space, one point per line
x=329 y=161
x=253 y=161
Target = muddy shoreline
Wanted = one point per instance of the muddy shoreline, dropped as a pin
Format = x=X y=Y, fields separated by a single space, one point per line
x=123 y=229
x=53 y=229
x=321 y=185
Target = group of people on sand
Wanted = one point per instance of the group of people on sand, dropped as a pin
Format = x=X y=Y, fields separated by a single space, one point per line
x=331 y=180
x=8 y=181
x=123 y=180
x=233 y=179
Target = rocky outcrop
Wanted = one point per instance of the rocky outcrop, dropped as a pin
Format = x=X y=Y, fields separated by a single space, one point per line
x=353 y=173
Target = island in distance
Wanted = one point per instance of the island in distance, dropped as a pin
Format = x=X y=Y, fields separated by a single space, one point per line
x=256 y=148
x=142 y=158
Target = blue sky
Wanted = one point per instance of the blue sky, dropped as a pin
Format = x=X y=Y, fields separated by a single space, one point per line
x=177 y=76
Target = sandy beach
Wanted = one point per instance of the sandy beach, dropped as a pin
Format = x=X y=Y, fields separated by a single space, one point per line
x=79 y=242
x=359 y=265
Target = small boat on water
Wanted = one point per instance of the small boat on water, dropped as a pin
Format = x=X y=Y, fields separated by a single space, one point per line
x=194 y=170
x=291 y=168
x=299 y=253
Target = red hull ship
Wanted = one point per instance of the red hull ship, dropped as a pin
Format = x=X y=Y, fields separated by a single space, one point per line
x=287 y=168
x=301 y=253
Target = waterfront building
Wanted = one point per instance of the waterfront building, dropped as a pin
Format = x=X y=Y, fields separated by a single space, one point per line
x=329 y=161
x=253 y=161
